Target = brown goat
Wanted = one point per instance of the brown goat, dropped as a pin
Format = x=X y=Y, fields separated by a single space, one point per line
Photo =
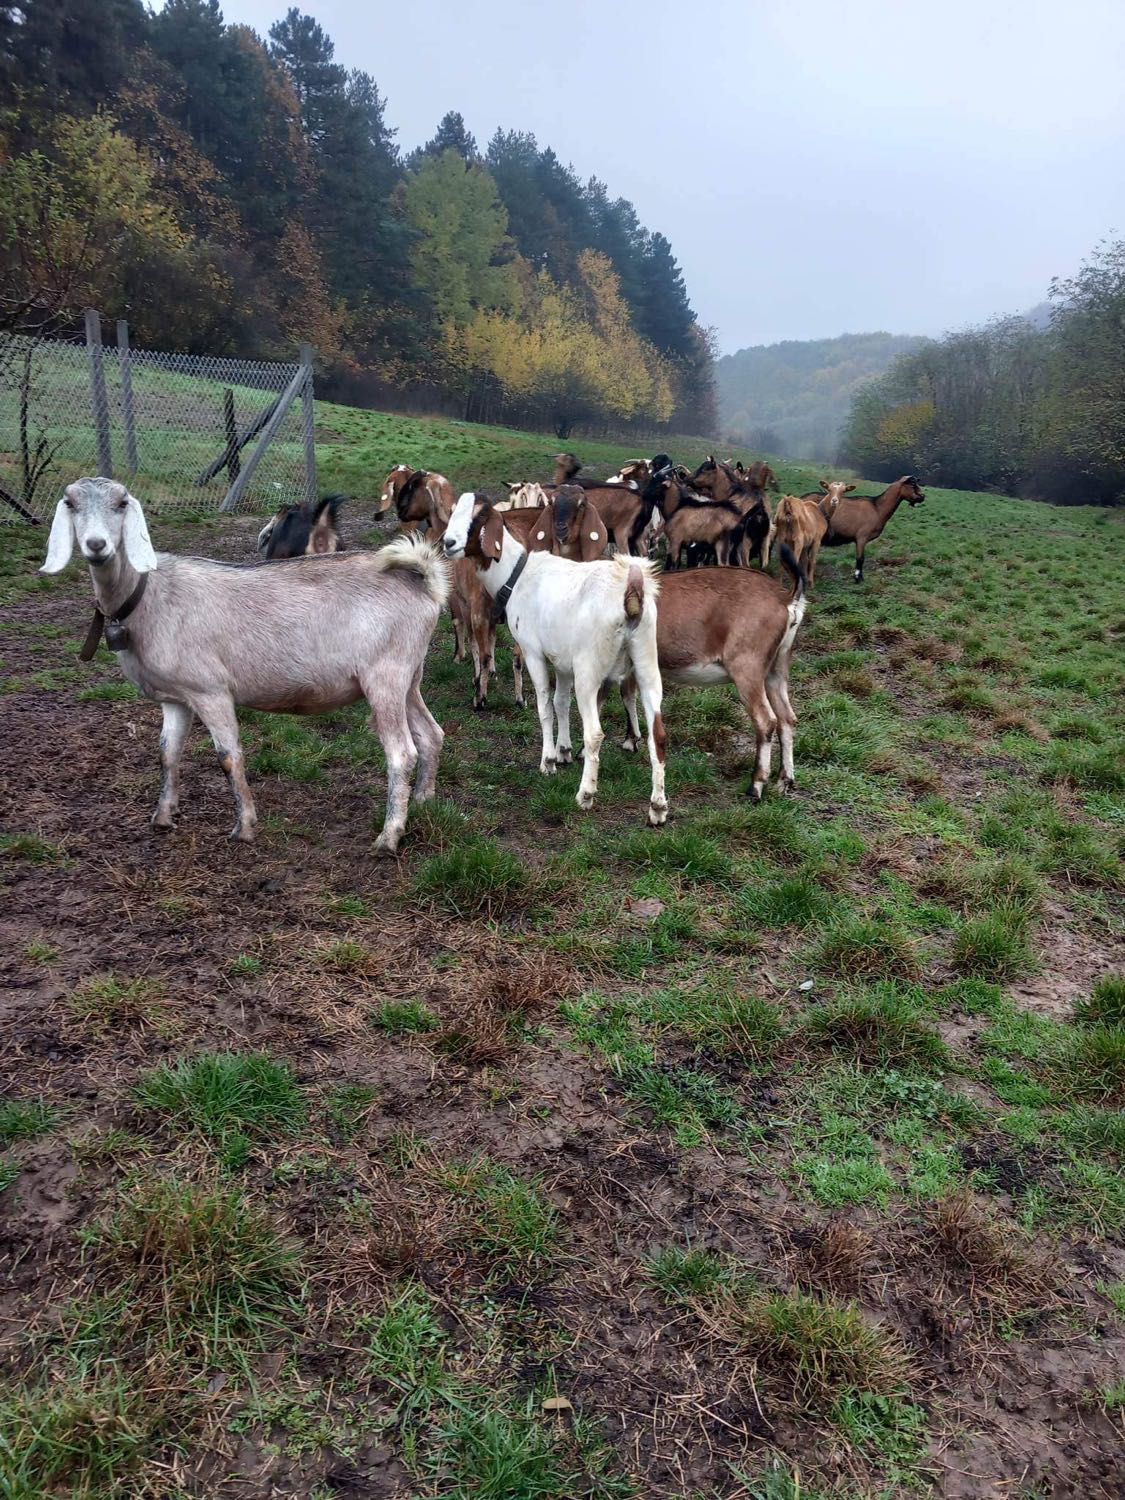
x=801 y=522
x=861 y=520
x=569 y=526
x=731 y=625
x=421 y=497
x=745 y=489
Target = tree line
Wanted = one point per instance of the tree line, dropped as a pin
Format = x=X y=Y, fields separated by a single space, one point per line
x=1019 y=406
x=234 y=194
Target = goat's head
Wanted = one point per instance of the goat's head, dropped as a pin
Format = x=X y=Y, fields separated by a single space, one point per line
x=834 y=492
x=634 y=471
x=104 y=519
x=475 y=530
x=566 y=466
x=910 y=491
x=391 y=486
x=579 y=532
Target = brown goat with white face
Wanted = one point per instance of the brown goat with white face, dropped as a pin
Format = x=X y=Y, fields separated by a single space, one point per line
x=861 y=520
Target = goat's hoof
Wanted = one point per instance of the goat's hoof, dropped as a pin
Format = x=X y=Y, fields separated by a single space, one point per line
x=565 y=755
x=787 y=786
x=521 y=703
x=629 y=745
x=585 y=800
x=163 y=822
x=548 y=768
x=754 y=791
x=657 y=814
x=387 y=843
x=243 y=833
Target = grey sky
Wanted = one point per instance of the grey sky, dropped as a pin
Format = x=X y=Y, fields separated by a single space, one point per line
x=820 y=166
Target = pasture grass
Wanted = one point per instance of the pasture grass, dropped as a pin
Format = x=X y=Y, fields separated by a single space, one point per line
x=418 y=1243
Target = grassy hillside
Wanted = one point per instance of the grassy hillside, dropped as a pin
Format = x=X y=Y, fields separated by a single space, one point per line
x=775 y=1154
x=794 y=397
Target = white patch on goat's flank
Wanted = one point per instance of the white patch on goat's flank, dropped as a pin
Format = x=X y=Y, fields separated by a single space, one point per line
x=700 y=674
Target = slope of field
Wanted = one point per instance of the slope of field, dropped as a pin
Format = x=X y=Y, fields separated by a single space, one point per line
x=794 y=397
x=774 y=1154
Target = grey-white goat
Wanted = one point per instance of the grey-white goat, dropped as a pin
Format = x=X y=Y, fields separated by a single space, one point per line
x=303 y=636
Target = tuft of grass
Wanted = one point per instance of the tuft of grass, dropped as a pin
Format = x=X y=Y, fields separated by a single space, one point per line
x=112 y=692
x=346 y=1107
x=879 y=1027
x=403 y=1017
x=31 y=847
x=80 y=1435
x=816 y=1350
x=345 y=956
x=688 y=1273
x=1105 y=1005
x=407 y=1350
x=986 y=1258
x=885 y=1428
x=993 y=946
x=797 y=901
x=244 y=966
x=866 y=948
x=473 y=879
x=686 y=852
x=39 y=951
x=210 y=1270
x=510 y=1223
x=108 y=1003
x=232 y=1098
x=24 y=1119
x=494 y=1454
x=1094 y=1065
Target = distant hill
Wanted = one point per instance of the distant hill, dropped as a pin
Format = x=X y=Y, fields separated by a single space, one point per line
x=793 y=398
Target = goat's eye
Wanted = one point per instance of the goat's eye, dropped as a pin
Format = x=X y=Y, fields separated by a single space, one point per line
x=121 y=505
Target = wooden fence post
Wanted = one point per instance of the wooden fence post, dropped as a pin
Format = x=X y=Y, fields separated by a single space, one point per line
x=232 y=460
x=308 y=415
x=98 y=400
x=127 y=395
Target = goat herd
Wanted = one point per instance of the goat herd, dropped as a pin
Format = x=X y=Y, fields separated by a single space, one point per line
x=324 y=628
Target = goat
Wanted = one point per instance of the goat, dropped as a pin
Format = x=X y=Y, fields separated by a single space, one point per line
x=801 y=523
x=694 y=523
x=302 y=530
x=569 y=526
x=861 y=519
x=527 y=495
x=723 y=483
x=305 y=636
x=419 y=496
x=715 y=625
x=638 y=471
x=592 y=622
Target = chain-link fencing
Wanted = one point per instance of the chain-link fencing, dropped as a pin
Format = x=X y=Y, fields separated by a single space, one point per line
x=188 y=433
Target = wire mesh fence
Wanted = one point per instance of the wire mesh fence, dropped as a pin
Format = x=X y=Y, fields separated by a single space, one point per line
x=186 y=432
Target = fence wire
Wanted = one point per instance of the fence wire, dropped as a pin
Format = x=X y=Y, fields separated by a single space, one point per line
x=180 y=429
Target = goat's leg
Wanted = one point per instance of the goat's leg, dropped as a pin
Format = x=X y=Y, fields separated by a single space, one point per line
x=564 y=684
x=859 y=550
x=517 y=674
x=632 y=727
x=586 y=690
x=390 y=721
x=460 y=636
x=428 y=737
x=764 y=556
x=748 y=678
x=173 y=737
x=221 y=720
x=647 y=673
x=480 y=651
x=541 y=680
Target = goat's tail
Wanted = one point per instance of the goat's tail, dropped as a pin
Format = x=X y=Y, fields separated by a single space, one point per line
x=411 y=554
x=800 y=583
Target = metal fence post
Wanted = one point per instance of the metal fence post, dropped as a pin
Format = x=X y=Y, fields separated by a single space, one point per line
x=269 y=432
x=309 y=420
x=98 y=399
x=127 y=395
x=230 y=426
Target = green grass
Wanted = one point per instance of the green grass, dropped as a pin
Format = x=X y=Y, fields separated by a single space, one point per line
x=24 y=1119
x=477 y=878
x=687 y=1273
x=208 y=1272
x=859 y=948
x=509 y=1221
x=403 y=1017
x=994 y=946
x=1105 y=1005
x=233 y=1099
x=82 y=1436
x=31 y=847
x=882 y=1026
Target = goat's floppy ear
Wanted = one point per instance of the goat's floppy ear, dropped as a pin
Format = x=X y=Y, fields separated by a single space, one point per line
x=594 y=536
x=539 y=536
x=60 y=544
x=492 y=536
x=138 y=543
x=848 y=488
x=824 y=484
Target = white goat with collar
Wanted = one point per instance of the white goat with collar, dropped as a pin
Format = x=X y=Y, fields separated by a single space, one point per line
x=593 y=622
x=307 y=635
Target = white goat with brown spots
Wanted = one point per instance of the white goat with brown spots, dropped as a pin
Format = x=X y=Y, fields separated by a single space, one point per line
x=309 y=635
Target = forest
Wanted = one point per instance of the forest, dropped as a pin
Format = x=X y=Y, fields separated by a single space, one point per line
x=794 y=397
x=1021 y=406
x=230 y=193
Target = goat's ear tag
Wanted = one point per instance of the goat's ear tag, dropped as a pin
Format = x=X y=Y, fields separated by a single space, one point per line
x=497 y=544
x=593 y=536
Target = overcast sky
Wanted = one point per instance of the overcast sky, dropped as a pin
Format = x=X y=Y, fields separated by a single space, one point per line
x=820 y=166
